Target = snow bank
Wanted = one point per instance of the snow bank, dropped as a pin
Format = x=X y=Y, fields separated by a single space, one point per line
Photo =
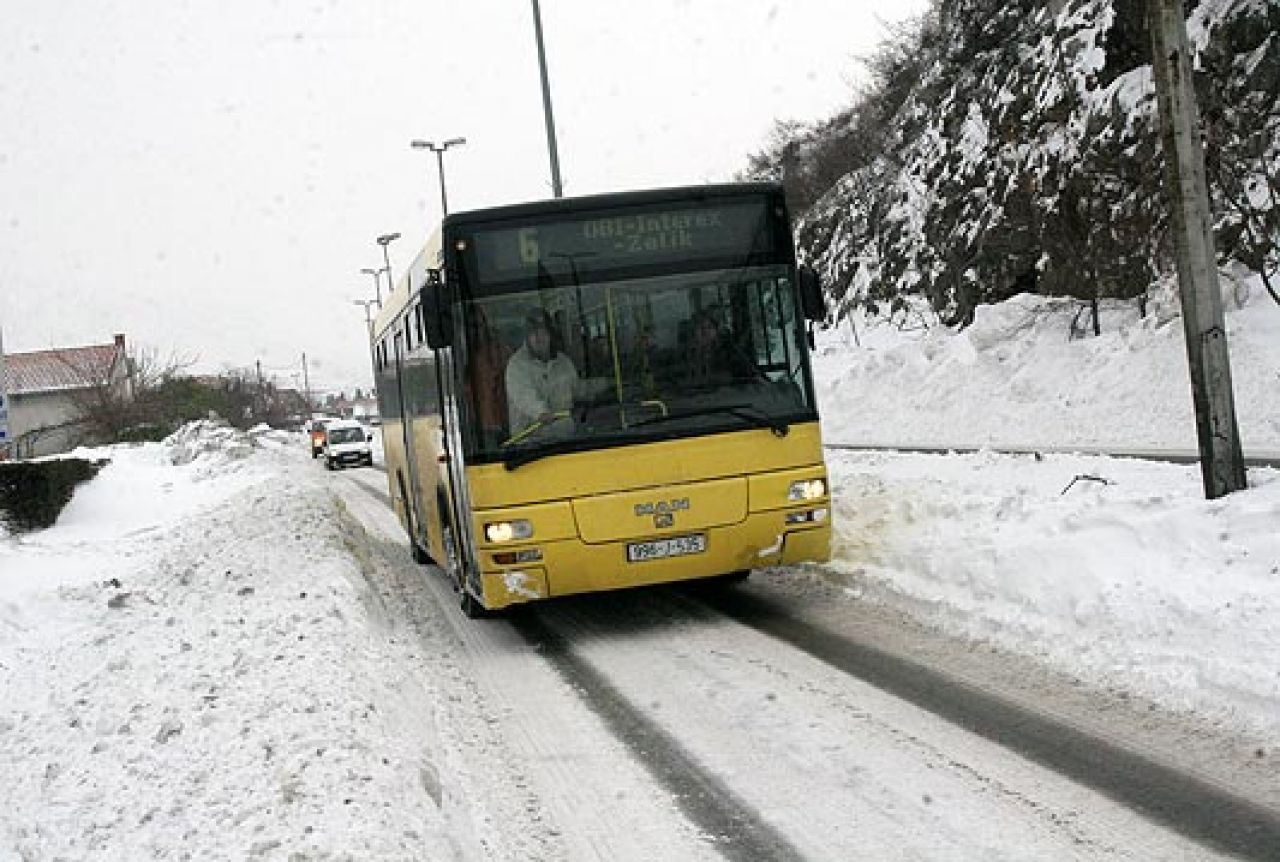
x=117 y=520
x=225 y=693
x=211 y=439
x=1112 y=570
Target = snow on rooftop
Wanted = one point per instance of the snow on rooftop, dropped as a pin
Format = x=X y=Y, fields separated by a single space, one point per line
x=61 y=369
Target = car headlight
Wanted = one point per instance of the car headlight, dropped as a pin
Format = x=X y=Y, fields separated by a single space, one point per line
x=508 y=531
x=807 y=489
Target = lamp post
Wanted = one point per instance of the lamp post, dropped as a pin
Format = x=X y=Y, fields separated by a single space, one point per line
x=368 y=325
x=385 y=240
x=556 y=188
x=368 y=317
x=439 y=149
x=377 y=283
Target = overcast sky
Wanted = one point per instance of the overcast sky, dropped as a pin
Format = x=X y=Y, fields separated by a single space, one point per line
x=208 y=178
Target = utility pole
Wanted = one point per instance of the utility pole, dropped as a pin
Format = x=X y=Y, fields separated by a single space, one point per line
x=259 y=399
x=306 y=384
x=5 y=441
x=556 y=188
x=1221 y=457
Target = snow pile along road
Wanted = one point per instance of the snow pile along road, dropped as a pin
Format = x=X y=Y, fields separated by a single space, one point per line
x=1114 y=571
x=218 y=686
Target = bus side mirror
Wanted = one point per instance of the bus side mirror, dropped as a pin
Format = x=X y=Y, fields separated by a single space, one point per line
x=435 y=312
x=812 y=302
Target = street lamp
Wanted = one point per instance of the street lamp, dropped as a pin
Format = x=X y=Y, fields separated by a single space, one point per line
x=439 y=151
x=368 y=317
x=557 y=189
x=368 y=324
x=385 y=240
x=377 y=283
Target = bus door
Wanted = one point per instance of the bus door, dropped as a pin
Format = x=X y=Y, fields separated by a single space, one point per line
x=457 y=491
x=412 y=494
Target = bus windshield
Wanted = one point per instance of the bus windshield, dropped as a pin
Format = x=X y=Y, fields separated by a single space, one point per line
x=570 y=367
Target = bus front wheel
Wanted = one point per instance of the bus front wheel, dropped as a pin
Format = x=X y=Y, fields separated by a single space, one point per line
x=471 y=607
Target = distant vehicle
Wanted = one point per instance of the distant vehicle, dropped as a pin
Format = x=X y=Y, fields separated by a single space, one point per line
x=346 y=442
x=315 y=428
x=597 y=393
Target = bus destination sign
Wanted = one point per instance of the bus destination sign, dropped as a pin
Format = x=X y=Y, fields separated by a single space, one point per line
x=612 y=241
x=647 y=233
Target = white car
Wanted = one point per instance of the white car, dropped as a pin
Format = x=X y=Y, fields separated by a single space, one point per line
x=347 y=442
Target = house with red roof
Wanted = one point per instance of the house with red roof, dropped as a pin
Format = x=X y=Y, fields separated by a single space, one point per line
x=48 y=391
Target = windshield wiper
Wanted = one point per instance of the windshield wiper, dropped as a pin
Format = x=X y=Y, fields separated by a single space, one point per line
x=513 y=458
x=756 y=417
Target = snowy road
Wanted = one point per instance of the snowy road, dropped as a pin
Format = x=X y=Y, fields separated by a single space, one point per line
x=691 y=724
x=243 y=663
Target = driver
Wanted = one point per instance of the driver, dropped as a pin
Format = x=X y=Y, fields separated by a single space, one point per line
x=540 y=379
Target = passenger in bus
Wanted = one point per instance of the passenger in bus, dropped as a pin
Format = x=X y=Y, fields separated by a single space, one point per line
x=540 y=378
x=712 y=359
x=487 y=359
x=642 y=362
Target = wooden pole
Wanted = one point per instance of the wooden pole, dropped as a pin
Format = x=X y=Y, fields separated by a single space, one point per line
x=1221 y=457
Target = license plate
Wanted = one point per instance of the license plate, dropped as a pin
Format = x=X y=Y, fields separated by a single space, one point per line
x=676 y=546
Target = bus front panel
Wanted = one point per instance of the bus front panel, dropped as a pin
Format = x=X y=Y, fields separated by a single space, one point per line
x=650 y=514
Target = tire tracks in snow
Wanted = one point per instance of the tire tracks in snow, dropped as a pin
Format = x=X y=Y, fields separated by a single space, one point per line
x=1183 y=802
x=500 y=734
x=737 y=830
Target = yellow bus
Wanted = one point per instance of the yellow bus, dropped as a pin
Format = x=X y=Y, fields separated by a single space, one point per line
x=603 y=392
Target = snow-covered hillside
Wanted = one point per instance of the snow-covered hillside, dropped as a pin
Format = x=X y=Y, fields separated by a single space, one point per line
x=1016 y=378
x=1008 y=146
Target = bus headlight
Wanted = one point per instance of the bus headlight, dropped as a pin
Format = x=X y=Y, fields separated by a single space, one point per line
x=807 y=489
x=508 y=531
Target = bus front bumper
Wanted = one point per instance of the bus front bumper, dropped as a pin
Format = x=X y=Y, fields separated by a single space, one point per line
x=571 y=566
